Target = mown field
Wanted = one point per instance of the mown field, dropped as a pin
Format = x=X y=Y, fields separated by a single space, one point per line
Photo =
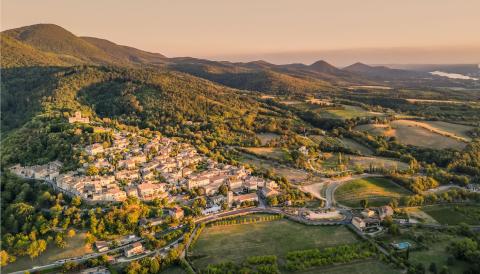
x=237 y=242
x=431 y=134
x=454 y=214
x=378 y=191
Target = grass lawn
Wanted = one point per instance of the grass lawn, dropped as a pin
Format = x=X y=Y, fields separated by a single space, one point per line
x=237 y=242
x=76 y=247
x=362 y=267
x=378 y=191
x=455 y=214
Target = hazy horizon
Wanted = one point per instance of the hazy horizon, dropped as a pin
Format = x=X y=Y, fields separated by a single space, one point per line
x=341 y=32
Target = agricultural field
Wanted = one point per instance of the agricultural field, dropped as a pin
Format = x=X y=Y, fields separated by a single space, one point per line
x=363 y=267
x=334 y=112
x=431 y=250
x=432 y=134
x=348 y=112
x=75 y=247
x=454 y=214
x=352 y=162
x=354 y=145
x=237 y=242
x=450 y=128
x=292 y=174
x=378 y=192
x=270 y=152
x=437 y=254
x=266 y=137
x=419 y=215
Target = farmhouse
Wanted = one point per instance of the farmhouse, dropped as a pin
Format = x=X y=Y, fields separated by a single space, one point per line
x=77 y=118
x=135 y=249
x=358 y=223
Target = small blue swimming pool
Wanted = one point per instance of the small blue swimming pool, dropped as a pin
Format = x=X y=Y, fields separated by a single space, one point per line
x=402 y=245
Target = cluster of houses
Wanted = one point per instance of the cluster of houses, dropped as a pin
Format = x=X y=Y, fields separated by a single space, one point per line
x=371 y=217
x=147 y=168
x=242 y=185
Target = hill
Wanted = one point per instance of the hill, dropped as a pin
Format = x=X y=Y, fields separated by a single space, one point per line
x=48 y=44
x=60 y=44
x=382 y=72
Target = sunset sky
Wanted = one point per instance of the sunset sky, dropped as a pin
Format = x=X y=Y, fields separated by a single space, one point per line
x=280 y=31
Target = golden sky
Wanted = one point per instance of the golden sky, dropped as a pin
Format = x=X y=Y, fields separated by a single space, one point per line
x=250 y=29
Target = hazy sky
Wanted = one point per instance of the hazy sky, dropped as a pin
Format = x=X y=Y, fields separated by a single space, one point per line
x=407 y=31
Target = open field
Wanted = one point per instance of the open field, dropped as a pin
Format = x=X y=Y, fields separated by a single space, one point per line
x=237 y=242
x=270 y=152
x=420 y=215
x=433 y=134
x=450 y=128
x=354 y=145
x=292 y=174
x=378 y=191
x=432 y=249
x=362 y=267
x=377 y=162
x=334 y=112
x=454 y=214
x=436 y=254
x=352 y=162
x=375 y=129
x=76 y=247
x=266 y=137
x=348 y=112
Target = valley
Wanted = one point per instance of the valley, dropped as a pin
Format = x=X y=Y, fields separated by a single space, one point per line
x=133 y=161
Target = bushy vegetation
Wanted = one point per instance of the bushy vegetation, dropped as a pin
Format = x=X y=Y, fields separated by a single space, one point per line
x=305 y=259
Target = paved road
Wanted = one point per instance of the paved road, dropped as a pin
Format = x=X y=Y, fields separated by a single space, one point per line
x=333 y=184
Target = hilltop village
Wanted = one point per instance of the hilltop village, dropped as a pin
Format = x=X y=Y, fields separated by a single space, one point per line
x=149 y=168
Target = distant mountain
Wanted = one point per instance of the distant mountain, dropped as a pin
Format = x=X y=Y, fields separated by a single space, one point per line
x=381 y=72
x=51 y=45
